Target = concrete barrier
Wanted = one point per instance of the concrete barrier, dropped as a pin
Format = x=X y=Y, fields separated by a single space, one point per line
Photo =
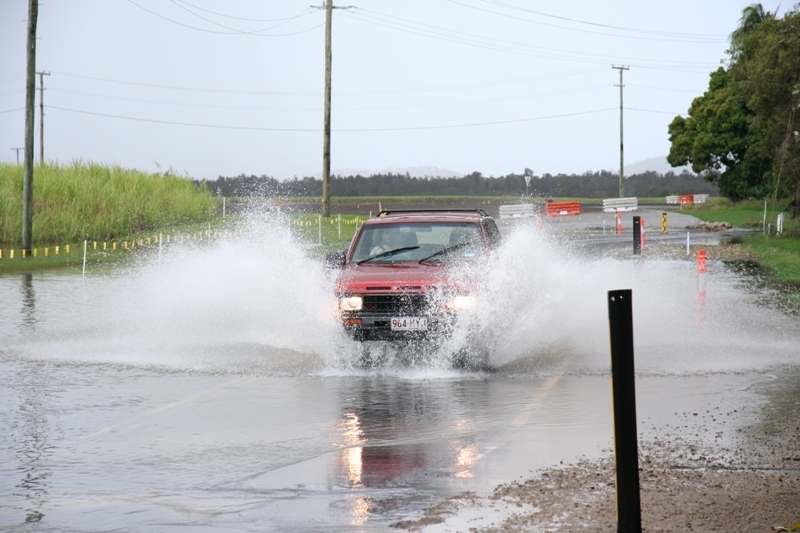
x=555 y=209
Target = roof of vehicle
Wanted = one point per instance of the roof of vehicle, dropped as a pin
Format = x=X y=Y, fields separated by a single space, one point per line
x=430 y=215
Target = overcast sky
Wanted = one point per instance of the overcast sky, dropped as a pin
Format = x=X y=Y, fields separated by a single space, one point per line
x=229 y=87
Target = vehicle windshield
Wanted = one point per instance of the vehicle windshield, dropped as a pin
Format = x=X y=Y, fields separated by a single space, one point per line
x=419 y=242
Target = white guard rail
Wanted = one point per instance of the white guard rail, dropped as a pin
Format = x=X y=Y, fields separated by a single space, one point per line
x=516 y=211
x=613 y=205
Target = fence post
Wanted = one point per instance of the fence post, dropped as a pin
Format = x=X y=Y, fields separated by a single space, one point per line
x=620 y=319
x=702 y=270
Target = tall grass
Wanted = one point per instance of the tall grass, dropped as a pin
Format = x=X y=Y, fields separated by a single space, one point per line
x=102 y=202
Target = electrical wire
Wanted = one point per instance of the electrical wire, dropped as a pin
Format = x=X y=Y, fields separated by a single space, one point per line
x=697 y=39
x=709 y=37
x=306 y=12
x=340 y=130
x=434 y=88
x=490 y=43
x=191 y=89
x=235 y=32
x=247 y=19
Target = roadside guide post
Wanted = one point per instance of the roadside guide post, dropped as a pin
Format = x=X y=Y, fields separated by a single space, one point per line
x=620 y=319
x=663 y=222
x=637 y=236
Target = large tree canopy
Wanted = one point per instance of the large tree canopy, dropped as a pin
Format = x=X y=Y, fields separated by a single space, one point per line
x=767 y=74
x=716 y=138
x=742 y=132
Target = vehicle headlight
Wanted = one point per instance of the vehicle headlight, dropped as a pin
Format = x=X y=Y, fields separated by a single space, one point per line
x=462 y=302
x=351 y=303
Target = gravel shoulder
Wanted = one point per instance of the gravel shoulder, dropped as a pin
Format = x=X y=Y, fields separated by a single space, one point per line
x=749 y=484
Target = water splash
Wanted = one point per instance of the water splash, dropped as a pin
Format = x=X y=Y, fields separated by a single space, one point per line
x=262 y=303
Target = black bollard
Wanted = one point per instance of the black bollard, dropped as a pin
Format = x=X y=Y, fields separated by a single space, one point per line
x=637 y=236
x=620 y=319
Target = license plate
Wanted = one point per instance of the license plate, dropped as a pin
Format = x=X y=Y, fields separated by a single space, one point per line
x=409 y=323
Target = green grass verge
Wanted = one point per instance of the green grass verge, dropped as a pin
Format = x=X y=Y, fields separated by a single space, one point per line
x=779 y=255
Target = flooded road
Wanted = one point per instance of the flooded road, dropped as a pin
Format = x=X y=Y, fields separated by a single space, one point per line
x=210 y=390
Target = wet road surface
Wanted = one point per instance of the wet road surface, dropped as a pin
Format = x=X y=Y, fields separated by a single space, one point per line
x=184 y=396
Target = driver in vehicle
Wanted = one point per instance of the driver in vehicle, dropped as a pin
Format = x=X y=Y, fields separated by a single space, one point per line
x=386 y=241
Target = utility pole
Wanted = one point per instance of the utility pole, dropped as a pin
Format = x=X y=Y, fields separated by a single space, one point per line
x=18 y=149
x=326 y=135
x=30 y=103
x=41 y=74
x=621 y=142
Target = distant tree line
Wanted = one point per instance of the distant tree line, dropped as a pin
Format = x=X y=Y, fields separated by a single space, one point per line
x=601 y=184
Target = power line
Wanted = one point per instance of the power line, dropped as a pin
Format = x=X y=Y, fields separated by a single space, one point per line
x=501 y=45
x=191 y=89
x=233 y=32
x=247 y=19
x=342 y=130
x=711 y=40
x=449 y=103
x=235 y=29
x=432 y=88
x=705 y=37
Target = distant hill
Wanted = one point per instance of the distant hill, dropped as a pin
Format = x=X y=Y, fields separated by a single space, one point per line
x=656 y=164
x=414 y=172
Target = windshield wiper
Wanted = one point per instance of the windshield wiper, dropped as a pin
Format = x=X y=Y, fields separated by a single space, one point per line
x=447 y=250
x=388 y=253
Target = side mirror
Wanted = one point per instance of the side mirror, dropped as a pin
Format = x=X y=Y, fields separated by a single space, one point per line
x=335 y=259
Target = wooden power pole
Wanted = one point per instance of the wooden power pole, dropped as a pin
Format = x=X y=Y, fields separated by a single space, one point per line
x=30 y=103
x=621 y=142
x=326 y=136
x=41 y=115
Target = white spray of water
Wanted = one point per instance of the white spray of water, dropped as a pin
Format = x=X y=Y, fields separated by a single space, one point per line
x=551 y=304
x=257 y=302
x=261 y=303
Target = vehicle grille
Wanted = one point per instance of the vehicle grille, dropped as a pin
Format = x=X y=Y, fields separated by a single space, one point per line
x=395 y=304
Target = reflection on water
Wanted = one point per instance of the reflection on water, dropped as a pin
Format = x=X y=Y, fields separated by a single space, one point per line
x=394 y=432
x=32 y=430
x=28 y=302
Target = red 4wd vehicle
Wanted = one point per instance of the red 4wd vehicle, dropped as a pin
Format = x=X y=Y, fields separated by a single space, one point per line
x=408 y=274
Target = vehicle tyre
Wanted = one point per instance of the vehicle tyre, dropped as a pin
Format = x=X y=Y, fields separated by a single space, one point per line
x=473 y=356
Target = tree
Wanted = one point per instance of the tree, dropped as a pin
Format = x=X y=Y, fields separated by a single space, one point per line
x=716 y=139
x=767 y=75
x=752 y=16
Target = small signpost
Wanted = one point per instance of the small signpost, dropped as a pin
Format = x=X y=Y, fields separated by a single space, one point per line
x=528 y=176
